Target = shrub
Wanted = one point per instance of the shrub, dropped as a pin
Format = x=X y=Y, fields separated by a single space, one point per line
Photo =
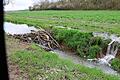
x=83 y=43
x=99 y=41
x=63 y=35
x=93 y=50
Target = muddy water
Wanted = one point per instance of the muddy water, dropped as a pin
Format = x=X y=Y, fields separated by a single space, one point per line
x=11 y=28
x=107 y=36
x=76 y=59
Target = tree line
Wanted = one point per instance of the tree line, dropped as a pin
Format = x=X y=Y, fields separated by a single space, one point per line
x=77 y=5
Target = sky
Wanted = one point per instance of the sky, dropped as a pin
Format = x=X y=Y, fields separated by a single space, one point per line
x=19 y=5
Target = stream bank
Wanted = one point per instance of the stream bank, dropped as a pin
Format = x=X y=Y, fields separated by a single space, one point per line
x=77 y=60
x=35 y=63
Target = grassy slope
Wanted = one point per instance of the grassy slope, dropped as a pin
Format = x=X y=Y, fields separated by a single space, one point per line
x=39 y=64
x=89 y=21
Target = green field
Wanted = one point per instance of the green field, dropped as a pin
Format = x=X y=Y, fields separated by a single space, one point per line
x=88 y=21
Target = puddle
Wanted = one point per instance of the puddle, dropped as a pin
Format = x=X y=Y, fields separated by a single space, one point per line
x=12 y=29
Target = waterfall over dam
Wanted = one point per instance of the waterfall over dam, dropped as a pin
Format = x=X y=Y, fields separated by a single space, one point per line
x=112 y=48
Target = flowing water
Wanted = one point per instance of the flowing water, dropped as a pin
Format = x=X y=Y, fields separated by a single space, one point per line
x=11 y=28
x=112 y=47
x=104 y=35
x=76 y=59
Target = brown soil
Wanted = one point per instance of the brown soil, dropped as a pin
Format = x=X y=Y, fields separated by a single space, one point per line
x=15 y=73
x=67 y=49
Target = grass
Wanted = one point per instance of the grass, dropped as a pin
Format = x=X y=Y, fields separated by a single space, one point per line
x=88 y=21
x=39 y=64
x=116 y=64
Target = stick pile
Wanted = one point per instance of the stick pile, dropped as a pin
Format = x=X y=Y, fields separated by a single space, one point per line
x=41 y=37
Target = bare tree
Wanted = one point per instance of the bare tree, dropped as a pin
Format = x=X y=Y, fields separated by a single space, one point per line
x=77 y=4
x=6 y=2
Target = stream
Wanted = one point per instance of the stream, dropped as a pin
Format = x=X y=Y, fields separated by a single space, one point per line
x=11 y=28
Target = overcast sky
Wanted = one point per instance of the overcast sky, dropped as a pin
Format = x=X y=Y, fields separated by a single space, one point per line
x=19 y=5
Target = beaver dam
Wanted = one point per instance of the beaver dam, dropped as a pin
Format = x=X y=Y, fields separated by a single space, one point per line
x=46 y=41
x=31 y=34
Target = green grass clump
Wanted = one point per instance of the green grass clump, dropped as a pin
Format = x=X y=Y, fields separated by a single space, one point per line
x=82 y=43
x=115 y=63
x=39 y=64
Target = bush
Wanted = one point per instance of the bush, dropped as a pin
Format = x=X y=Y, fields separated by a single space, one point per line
x=93 y=50
x=115 y=63
x=99 y=41
x=82 y=43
